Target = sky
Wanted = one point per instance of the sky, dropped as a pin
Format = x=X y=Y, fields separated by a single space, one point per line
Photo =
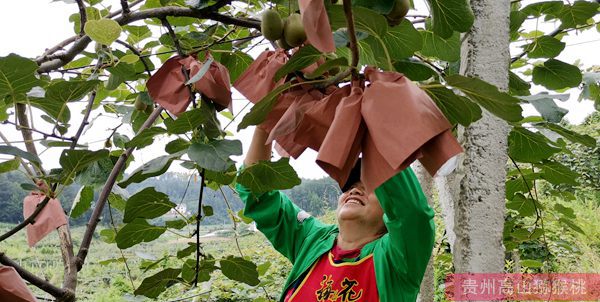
x=31 y=26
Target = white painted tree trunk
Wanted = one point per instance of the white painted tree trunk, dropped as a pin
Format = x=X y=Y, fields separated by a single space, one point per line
x=427 y=290
x=472 y=199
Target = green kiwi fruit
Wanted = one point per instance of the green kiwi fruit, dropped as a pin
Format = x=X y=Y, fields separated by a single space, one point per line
x=271 y=25
x=139 y=104
x=293 y=31
x=398 y=12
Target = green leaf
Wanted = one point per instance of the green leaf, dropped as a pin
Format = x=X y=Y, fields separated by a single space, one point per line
x=19 y=153
x=154 y=285
x=304 y=57
x=415 y=70
x=571 y=225
x=259 y=112
x=236 y=62
x=59 y=93
x=147 y=203
x=187 y=121
x=239 y=269
x=543 y=8
x=457 y=109
x=95 y=174
x=244 y=218
x=557 y=173
x=137 y=33
x=402 y=41
x=155 y=167
x=207 y=211
x=516 y=85
x=129 y=59
x=186 y=251
x=578 y=13
x=215 y=154
x=571 y=135
x=108 y=235
x=145 y=138
x=176 y=224
x=516 y=20
x=265 y=176
x=82 y=202
x=545 y=105
x=222 y=178
x=328 y=65
x=531 y=263
x=177 y=145
x=17 y=75
x=524 y=206
x=263 y=268
x=103 y=31
x=567 y=212
x=544 y=47
x=73 y=161
x=9 y=165
x=516 y=185
x=451 y=15
x=206 y=267
x=438 y=47
x=529 y=147
x=555 y=74
x=119 y=140
x=488 y=96
x=137 y=231
x=116 y=201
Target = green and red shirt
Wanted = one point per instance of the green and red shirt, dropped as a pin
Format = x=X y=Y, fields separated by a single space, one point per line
x=387 y=269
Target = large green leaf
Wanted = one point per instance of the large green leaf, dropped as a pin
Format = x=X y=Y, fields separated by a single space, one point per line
x=154 y=285
x=451 y=15
x=17 y=75
x=529 y=147
x=555 y=74
x=457 y=109
x=147 y=203
x=403 y=40
x=19 y=153
x=524 y=206
x=543 y=8
x=571 y=135
x=95 y=174
x=265 y=176
x=9 y=165
x=103 y=31
x=145 y=138
x=558 y=173
x=137 y=231
x=517 y=86
x=236 y=62
x=214 y=155
x=544 y=47
x=545 y=105
x=155 y=167
x=206 y=267
x=185 y=122
x=82 y=202
x=414 y=70
x=259 y=112
x=578 y=13
x=488 y=96
x=73 y=161
x=444 y=49
x=239 y=269
x=304 y=57
x=59 y=93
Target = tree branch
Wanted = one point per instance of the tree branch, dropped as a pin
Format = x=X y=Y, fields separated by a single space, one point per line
x=82 y=17
x=137 y=53
x=353 y=41
x=37 y=281
x=125 y=7
x=110 y=182
x=161 y=13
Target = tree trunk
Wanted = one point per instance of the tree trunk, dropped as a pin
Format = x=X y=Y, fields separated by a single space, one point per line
x=427 y=291
x=474 y=196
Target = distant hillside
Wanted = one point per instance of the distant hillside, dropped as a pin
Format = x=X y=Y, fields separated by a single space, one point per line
x=314 y=196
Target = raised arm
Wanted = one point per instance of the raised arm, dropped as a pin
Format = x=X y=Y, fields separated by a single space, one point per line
x=411 y=229
x=284 y=224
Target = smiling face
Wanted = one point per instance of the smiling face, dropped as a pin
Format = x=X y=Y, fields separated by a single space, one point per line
x=362 y=207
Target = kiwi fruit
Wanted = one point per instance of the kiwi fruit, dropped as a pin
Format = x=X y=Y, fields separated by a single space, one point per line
x=271 y=25
x=293 y=30
x=139 y=104
x=149 y=109
x=283 y=44
x=399 y=10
